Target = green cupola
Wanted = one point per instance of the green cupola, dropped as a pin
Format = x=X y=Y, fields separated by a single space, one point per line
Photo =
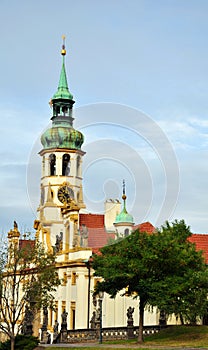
x=124 y=217
x=62 y=134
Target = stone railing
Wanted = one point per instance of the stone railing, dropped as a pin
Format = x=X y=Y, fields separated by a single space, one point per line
x=110 y=333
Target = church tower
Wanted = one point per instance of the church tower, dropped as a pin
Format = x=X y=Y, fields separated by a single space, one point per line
x=124 y=221
x=61 y=177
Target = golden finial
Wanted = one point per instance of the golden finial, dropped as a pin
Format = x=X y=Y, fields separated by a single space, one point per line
x=63 y=51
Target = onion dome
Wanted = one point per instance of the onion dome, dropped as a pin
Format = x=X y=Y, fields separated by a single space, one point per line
x=62 y=137
x=124 y=216
x=62 y=134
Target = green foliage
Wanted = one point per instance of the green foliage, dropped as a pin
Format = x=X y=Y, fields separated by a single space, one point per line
x=28 y=279
x=43 y=279
x=183 y=279
x=163 y=269
x=21 y=342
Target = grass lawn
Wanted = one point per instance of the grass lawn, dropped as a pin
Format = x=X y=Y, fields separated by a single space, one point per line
x=176 y=336
x=181 y=336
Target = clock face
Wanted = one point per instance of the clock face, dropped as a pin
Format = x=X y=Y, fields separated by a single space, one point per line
x=65 y=194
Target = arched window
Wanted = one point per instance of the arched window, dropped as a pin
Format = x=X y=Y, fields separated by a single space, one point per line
x=78 y=165
x=126 y=232
x=66 y=165
x=52 y=161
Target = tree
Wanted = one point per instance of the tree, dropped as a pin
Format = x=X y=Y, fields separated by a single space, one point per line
x=163 y=269
x=185 y=281
x=28 y=279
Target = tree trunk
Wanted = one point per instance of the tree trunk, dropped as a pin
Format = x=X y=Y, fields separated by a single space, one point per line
x=141 y=320
x=12 y=343
x=12 y=337
x=181 y=319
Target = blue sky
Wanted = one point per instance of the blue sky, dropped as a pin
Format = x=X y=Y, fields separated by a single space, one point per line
x=122 y=57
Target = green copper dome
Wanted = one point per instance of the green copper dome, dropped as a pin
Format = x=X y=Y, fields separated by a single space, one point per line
x=124 y=217
x=62 y=137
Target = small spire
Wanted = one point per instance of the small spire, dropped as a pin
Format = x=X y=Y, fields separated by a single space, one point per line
x=124 y=216
x=63 y=90
x=124 y=191
x=63 y=51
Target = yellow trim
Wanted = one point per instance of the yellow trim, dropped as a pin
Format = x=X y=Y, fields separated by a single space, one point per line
x=49 y=223
x=72 y=308
x=62 y=150
x=63 y=306
x=70 y=263
x=73 y=278
x=64 y=281
x=67 y=233
x=75 y=249
x=50 y=319
x=74 y=217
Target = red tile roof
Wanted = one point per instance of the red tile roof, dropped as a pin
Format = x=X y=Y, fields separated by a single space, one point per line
x=97 y=234
x=145 y=227
x=201 y=242
x=99 y=237
x=92 y=220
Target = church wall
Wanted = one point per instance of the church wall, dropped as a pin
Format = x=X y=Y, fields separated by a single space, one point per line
x=82 y=299
x=124 y=229
x=52 y=214
x=112 y=208
x=114 y=312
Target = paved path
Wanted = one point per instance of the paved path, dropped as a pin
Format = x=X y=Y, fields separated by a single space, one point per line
x=120 y=346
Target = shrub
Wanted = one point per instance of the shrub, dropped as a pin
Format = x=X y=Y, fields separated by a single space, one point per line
x=21 y=342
